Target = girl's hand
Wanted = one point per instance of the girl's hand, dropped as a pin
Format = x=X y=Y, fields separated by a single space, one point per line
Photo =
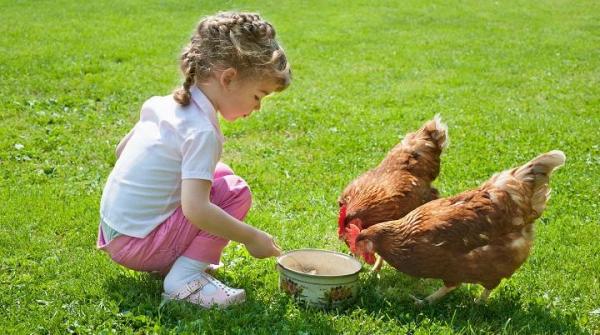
x=262 y=246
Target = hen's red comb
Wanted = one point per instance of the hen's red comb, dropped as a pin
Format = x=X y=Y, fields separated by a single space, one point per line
x=351 y=234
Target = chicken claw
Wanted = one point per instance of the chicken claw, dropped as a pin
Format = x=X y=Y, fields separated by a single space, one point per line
x=418 y=302
x=435 y=296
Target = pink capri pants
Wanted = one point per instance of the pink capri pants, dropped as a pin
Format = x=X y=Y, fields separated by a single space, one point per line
x=176 y=236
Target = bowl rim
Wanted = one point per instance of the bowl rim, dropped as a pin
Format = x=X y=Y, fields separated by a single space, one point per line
x=349 y=257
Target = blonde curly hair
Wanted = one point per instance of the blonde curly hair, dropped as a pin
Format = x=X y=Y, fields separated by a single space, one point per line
x=243 y=41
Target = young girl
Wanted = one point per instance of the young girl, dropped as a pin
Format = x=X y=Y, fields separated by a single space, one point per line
x=169 y=205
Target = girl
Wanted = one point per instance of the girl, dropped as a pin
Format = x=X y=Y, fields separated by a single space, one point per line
x=169 y=205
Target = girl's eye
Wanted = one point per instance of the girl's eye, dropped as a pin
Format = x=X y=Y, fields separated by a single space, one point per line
x=256 y=97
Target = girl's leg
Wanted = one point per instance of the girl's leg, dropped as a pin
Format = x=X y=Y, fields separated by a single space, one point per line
x=181 y=251
x=187 y=279
x=232 y=194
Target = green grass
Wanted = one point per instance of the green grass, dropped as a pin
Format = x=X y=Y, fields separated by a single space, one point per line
x=511 y=79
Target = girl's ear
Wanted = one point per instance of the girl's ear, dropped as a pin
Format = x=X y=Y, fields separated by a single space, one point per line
x=227 y=76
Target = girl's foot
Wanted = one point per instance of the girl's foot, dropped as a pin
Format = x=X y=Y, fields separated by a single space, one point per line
x=207 y=291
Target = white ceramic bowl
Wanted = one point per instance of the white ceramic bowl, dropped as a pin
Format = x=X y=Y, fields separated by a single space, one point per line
x=319 y=278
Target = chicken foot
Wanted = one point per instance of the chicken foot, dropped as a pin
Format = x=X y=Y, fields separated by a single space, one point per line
x=435 y=296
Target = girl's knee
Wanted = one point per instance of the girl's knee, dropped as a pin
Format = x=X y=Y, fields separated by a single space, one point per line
x=233 y=195
x=238 y=189
x=222 y=170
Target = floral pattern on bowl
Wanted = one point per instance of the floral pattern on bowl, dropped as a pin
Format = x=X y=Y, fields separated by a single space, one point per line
x=319 y=278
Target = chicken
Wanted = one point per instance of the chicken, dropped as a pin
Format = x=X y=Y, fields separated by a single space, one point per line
x=400 y=183
x=479 y=236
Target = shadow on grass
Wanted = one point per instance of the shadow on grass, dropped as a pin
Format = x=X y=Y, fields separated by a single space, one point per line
x=138 y=297
x=505 y=312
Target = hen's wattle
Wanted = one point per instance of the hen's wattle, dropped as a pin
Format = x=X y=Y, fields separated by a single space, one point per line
x=352 y=232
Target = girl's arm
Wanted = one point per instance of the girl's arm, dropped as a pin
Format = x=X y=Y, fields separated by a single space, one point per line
x=123 y=142
x=197 y=208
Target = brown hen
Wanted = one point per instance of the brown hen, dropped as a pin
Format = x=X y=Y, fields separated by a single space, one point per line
x=479 y=236
x=399 y=184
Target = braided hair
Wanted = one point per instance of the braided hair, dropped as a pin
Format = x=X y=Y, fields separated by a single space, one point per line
x=243 y=41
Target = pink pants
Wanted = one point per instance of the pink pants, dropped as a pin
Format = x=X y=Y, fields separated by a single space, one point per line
x=176 y=236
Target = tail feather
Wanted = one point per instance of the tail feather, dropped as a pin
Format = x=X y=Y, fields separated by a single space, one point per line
x=540 y=168
x=438 y=131
x=433 y=133
x=530 y=181
x=537 y=172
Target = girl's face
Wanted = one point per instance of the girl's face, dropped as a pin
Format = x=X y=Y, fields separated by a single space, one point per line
x=242 y=97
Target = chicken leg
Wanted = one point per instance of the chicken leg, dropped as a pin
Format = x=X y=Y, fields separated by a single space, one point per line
x=435 y=296
x=483 y=297
x=378 y=263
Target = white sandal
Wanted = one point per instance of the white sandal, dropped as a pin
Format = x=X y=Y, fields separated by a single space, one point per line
x=221 y=297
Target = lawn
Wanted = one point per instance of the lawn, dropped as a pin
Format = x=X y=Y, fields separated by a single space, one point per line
x=511 y=79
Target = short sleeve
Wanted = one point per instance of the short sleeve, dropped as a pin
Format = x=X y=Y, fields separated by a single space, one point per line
x=200 y=154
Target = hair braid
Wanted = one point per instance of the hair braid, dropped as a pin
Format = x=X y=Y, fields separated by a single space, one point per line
x=183 y=94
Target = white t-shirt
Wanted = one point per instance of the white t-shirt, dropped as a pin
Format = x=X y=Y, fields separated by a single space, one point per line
x=169 y=143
